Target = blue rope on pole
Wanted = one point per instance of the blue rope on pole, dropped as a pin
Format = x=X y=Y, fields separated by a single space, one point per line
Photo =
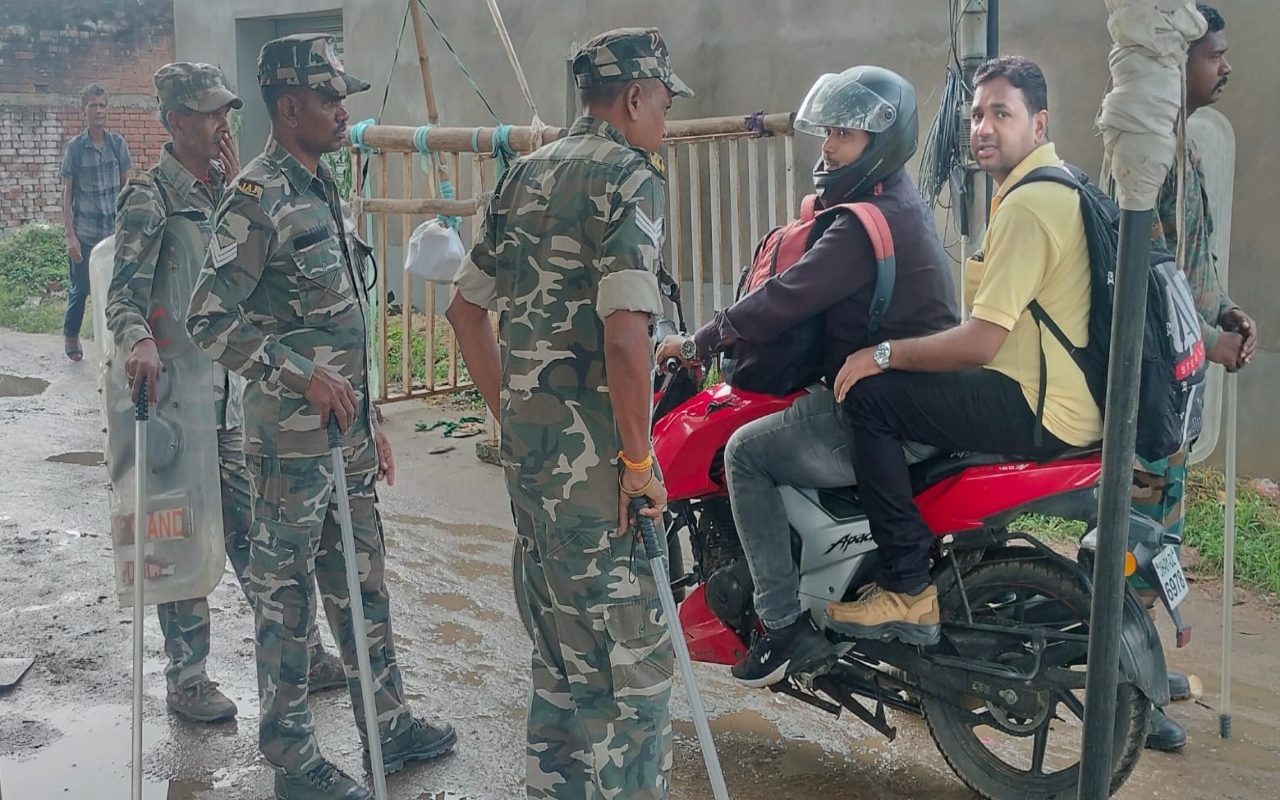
x=503 y=152
x=431 y=160
x=357 y=135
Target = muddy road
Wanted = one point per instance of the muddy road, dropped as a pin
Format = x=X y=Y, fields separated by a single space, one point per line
x=64 y=729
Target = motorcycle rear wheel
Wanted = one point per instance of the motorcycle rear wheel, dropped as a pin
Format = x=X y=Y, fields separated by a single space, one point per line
x=966 y=729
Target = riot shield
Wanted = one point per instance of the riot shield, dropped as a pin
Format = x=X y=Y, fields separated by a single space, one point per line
x=185 y=555
x=1216 y=141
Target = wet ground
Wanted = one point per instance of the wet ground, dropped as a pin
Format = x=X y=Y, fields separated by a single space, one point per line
x=65 y=728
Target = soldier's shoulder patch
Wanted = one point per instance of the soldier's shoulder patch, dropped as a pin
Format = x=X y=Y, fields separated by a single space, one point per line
x=138 y=177
x=251 y=188
x=659 y=165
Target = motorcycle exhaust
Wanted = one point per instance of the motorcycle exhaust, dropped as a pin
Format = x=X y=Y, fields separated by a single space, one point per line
x=658 y=562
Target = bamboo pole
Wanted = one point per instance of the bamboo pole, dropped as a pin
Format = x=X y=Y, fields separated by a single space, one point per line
x=382 y=268
x=453 y=350
x=735 y=209
x=673 y=216
x=399 y=138
x=793 y=202
x=406 y=282
x=695 y=227
x=753 y=187
x=417 y=205
x=424 y=61
x=717 y=268
x=772 y=148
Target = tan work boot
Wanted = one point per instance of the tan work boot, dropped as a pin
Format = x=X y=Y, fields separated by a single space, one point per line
x=882 y=615
x=201 y=702
x=326 y=672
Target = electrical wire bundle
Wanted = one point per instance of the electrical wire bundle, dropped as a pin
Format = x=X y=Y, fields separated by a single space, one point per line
x=947 y=148
x=947 y=145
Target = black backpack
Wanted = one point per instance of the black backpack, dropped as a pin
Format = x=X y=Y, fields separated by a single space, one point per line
x=1172 y=376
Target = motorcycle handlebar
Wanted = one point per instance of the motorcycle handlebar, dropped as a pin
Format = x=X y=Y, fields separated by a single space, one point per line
x=671 y=365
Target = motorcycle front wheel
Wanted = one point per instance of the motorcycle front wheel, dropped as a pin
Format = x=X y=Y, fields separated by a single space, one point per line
x=1006 y=756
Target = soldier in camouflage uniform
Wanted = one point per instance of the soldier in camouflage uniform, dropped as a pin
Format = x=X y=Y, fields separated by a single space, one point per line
x=568 y=257
x=163 y=221
x=1230 y=335
x=282 y=301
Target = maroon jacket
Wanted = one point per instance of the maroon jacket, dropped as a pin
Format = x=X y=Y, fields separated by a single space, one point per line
x=836 y=279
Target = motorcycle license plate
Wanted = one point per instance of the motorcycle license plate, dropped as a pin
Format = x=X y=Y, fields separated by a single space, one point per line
x=1169 y=573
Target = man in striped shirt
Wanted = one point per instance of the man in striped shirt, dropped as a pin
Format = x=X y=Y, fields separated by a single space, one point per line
x=95 y=166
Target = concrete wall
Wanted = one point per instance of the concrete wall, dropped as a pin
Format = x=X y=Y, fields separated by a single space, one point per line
x=743 y=55
x=49 y=50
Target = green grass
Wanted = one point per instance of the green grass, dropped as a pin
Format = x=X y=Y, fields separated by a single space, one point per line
x=1050 y=529
x=418 y=352
x=31 y=261
x=1257 y=561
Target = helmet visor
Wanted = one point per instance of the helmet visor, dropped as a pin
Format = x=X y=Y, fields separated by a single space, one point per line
x=839 y=101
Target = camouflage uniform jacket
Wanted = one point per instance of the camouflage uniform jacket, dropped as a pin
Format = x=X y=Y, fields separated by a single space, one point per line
x=574 y=232
x=1201 y=264
x=282 y=292
x=162 y=235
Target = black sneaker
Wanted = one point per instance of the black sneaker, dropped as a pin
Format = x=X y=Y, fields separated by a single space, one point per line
x=779 y=653
x=324 y=781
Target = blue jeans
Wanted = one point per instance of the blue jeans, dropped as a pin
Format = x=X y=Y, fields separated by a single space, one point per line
x=79 y=291
x=806 y=445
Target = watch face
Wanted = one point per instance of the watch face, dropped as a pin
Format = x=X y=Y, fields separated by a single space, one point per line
x=689 y=350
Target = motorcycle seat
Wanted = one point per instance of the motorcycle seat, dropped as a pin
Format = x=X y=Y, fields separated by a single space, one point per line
x=843 y=502
x=944 y=465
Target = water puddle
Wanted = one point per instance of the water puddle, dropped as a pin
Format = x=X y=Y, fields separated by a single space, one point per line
x=456 y=603
x=81 y=458
x=456 y=528
x=91 y=759
x=15 y=386
x=453 y=633
x=472 y=679
x=760 y=762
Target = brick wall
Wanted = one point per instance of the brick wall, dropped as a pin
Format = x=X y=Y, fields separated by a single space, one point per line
x=49 y=50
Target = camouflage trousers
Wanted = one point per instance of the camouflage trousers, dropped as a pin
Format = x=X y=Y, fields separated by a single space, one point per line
x=185 y=624
x=295 y=543
x=1158 y=488
x=598 y=720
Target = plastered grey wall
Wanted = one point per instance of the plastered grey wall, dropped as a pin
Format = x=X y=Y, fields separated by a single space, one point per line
x=744 y=55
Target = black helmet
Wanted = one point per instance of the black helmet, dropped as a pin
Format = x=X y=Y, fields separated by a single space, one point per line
x=871 y=99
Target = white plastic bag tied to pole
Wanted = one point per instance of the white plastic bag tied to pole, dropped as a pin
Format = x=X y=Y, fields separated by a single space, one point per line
x=435 y=252
x=1139 y=115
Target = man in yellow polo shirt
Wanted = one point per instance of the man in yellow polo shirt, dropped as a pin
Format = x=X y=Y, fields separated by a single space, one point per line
x=975 y=387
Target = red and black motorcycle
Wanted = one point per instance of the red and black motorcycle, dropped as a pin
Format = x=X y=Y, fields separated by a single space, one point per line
x=1002 y=693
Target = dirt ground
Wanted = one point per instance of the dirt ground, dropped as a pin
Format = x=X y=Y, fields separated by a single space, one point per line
x=64 y=729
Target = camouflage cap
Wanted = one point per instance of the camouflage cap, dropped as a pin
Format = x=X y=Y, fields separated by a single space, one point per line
x=198 y=87
x=306 y=59
x=627 y=54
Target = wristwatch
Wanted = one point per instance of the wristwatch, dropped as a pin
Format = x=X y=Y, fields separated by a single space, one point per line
x=689 y=350
x=881 y=356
